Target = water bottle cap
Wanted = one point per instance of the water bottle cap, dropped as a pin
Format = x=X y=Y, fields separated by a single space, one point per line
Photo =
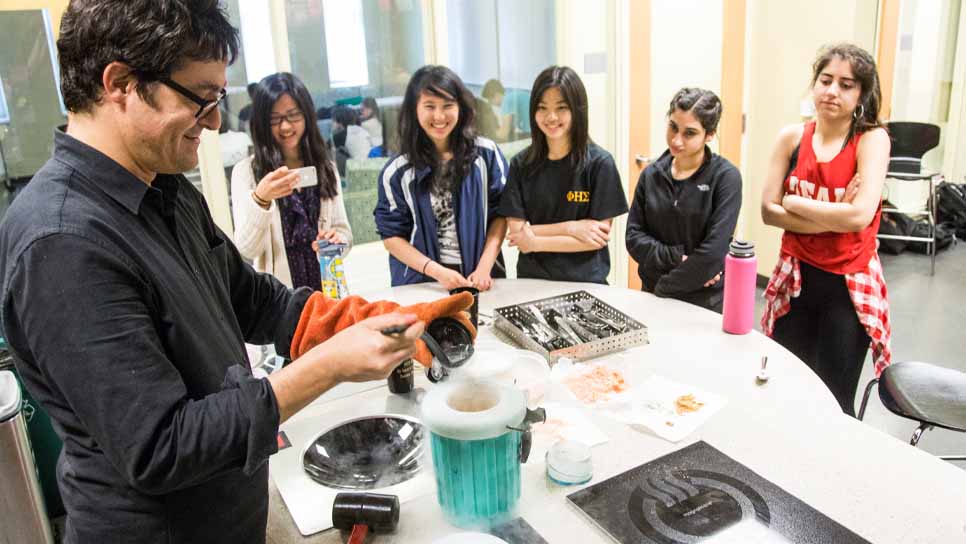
x=741 y=248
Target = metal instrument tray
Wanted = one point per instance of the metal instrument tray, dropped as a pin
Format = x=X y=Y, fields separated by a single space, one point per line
x=634 y=333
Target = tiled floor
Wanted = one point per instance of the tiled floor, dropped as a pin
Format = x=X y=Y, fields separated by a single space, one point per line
x=928 y=313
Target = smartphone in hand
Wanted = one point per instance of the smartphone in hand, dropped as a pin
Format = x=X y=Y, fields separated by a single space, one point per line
x=307 y=177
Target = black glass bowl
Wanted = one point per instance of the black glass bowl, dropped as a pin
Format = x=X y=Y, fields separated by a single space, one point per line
x=367 y=453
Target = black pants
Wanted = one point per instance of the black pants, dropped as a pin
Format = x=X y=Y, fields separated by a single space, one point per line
x=823 y=330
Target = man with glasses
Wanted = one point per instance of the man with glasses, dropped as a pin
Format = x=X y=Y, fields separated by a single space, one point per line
x=127 y=309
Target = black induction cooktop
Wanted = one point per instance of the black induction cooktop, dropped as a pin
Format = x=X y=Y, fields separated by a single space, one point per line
x=698 y=494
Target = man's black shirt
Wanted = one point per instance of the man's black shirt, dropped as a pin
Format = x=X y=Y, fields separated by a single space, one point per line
x=558 y=193
x=127 y=310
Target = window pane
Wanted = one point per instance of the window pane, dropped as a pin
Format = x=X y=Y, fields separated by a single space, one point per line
x=33 y=104
x=505 y=41
x=345 y=40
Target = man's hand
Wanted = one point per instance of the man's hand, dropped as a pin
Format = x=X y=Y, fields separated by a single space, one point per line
x=590 y=231
x=525 y=239
x=713 y=280
x=450 y=279
x=362 y=353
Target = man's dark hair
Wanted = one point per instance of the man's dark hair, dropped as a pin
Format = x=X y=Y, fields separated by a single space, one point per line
x=153 y=37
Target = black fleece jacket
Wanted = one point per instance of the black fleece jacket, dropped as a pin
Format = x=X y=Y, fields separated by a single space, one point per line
x=695 y=217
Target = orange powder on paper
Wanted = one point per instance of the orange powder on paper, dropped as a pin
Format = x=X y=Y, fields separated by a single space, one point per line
x=596 y=384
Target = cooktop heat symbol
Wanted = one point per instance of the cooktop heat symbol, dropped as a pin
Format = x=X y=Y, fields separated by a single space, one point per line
x=688 y=506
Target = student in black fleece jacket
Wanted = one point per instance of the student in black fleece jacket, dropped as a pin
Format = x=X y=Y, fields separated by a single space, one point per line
x=685 y=207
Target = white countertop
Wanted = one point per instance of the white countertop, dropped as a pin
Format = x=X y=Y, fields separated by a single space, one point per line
x=790 y=431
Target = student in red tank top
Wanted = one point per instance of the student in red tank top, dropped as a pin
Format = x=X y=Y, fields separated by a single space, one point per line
x=827 y=300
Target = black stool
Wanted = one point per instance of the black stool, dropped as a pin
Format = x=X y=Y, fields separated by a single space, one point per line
x=932 y=395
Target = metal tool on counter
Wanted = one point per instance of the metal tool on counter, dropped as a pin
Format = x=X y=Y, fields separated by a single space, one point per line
x=587 y=307
x=762 y=377
x=542 y=322
x=534 y=330
x=557 y=319
x=364 y=512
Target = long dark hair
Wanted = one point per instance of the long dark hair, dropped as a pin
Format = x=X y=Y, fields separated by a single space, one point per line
x=442 y=82
x=574 y=94
x=312 y=149
x=866 y=115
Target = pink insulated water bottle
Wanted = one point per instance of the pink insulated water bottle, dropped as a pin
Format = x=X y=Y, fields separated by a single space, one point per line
x=741 y=269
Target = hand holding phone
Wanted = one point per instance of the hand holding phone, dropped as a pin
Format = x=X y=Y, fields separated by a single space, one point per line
x=307 y=177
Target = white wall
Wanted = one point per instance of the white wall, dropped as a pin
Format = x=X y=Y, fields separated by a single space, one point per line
x=954 y=163
x=783 y=39
x=587 y=36
x=682 y=55
x=584 y=29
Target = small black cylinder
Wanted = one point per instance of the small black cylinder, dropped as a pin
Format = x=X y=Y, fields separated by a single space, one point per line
x=379 y=512
x=475 y=308
x=400 y=381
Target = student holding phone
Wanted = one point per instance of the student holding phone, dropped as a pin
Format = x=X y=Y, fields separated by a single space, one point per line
x=287 y=197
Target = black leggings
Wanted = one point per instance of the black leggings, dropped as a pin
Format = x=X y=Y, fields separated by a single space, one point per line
x=823 y=330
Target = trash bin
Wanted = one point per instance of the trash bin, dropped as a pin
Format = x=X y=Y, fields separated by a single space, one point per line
x=44 y=441
x=21 y=499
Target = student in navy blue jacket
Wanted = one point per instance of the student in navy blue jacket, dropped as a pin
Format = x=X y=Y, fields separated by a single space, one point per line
x=438 y=200
x=685 y=207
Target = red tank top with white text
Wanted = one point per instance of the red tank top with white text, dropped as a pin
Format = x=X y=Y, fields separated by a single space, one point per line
x=835 y=252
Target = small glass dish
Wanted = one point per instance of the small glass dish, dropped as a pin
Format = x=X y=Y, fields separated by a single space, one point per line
x=569 y=463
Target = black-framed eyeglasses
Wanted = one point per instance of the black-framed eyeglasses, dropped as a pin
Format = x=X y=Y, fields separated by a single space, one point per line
x=206 y=106
x=292 y=117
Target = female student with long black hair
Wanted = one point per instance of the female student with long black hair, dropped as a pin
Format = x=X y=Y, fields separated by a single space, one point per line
x=685 y=207
x=437 y=200
x=827 y=301
x=564 y=190
x=276 y=223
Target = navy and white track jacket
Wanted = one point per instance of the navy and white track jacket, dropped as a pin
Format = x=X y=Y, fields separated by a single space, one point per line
x=404 y=209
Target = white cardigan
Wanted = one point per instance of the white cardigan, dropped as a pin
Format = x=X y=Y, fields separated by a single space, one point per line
x=258 y=232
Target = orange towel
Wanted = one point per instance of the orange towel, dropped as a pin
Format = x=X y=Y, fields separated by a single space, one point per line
x=322 y=317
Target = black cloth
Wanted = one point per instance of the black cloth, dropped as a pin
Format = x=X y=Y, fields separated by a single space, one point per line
x=695 y=217
x=557 y=193
x=822 y=329
x=126 y=310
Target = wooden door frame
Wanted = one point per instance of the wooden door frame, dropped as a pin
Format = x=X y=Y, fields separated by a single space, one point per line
x=731 y=128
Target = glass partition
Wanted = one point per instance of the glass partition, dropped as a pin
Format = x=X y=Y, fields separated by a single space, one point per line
x=30 y=102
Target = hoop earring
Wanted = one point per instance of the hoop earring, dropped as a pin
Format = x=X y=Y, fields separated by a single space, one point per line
x=858 y=113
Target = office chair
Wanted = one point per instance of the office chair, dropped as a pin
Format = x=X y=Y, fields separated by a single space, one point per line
x=932 y=395
x=910 y=141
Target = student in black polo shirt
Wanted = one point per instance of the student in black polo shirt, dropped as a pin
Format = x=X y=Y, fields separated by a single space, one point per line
x=563 y=191
x=685 y=207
